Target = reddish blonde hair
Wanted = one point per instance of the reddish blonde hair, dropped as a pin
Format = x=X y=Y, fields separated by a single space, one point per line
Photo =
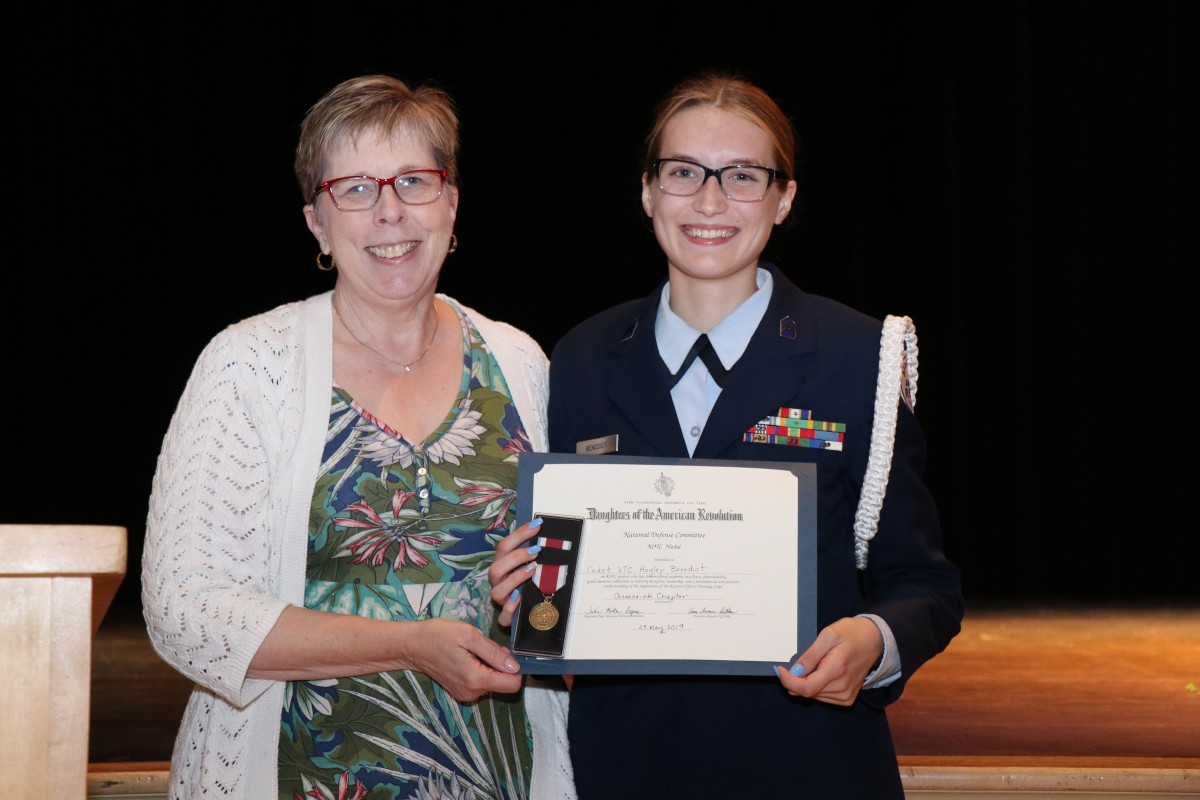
x=736 y=96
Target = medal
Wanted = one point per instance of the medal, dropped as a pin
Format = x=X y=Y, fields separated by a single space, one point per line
x=544 y=615
x=548 y=578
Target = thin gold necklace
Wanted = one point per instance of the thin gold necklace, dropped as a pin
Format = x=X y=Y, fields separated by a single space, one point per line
x=437 y=319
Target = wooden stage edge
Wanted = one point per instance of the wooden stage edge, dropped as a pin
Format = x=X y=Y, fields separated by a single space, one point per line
x=967 y=777
x=1037 y=703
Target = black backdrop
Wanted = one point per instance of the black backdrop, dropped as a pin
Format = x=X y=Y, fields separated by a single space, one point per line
x=1018 y=177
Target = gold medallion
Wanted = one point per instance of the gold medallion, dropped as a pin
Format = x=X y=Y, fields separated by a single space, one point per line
x=544 y=616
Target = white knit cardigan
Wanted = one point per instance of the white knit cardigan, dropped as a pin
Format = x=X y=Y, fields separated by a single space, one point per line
x=227 y=531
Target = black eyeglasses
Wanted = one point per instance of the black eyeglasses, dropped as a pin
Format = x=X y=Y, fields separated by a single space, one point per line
x=416 y=187
x=745 y=183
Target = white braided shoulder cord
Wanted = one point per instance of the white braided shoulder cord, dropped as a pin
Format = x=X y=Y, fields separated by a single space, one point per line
x=897 y=378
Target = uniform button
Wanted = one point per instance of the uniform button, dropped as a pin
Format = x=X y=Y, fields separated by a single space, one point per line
x=424 y=493
x=695 y=430
x=422 y=471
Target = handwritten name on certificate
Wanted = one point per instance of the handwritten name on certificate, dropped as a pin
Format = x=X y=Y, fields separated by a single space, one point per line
x=679 y=562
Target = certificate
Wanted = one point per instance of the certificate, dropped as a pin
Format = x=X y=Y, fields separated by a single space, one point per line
x=682 y=566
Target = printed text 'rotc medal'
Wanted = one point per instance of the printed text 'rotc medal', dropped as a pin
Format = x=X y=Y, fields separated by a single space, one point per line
x=549 y=578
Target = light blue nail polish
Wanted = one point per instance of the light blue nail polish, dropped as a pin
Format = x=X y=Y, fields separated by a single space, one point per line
x=797 y=669
x=516 y=593
x=536 y=522
x=537 y=548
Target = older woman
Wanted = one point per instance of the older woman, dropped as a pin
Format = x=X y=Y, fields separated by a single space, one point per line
x=329 y=495
x=723 y=346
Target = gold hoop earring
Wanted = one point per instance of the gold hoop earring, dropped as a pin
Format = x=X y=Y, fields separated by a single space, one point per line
x=453 y=244
x=321 y=266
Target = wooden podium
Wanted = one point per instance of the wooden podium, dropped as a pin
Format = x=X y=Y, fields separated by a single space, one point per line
x=56 y=583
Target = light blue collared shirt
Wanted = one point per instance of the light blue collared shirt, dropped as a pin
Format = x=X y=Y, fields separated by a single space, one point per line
x=696 y=393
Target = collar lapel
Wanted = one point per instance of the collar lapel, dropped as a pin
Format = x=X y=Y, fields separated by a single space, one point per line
x=638 y=382
x=766 y=375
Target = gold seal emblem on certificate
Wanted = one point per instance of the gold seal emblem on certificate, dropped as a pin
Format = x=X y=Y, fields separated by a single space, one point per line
x=544 y=616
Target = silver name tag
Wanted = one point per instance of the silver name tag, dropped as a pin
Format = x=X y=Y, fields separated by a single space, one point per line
x=597 y=447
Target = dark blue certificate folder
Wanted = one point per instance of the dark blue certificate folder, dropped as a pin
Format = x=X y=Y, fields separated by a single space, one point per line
x=546 y=615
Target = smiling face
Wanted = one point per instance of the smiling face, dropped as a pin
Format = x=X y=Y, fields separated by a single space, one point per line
x=392 y=252
x=707 y=236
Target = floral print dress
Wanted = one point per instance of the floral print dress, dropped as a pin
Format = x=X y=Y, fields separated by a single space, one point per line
x=405 y=532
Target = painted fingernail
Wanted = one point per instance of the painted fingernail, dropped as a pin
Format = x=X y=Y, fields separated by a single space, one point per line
x=533 y=551
x=516 y=593
x=797 y=669
x=531 y=566
x=536 y=522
